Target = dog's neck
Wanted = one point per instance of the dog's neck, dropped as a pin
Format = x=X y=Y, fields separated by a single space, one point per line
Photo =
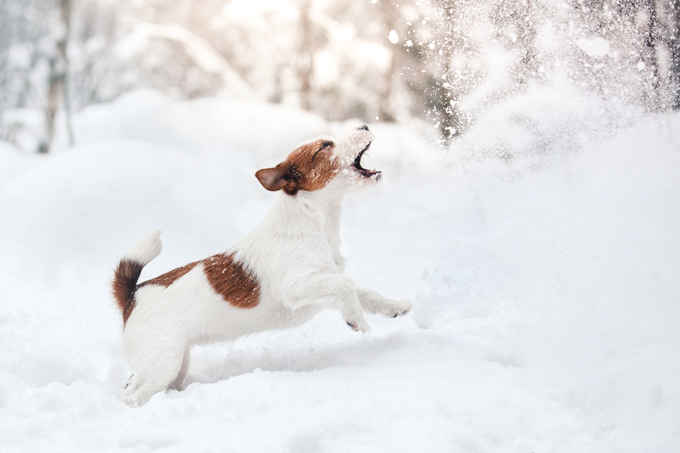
x=306 y=216
x=309 y=213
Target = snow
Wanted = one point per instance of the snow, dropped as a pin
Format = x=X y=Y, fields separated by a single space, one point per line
x=13 y=162
x=594 y=47
x=544 y=285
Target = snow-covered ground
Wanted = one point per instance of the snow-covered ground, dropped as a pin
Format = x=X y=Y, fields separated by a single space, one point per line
x=541 y=253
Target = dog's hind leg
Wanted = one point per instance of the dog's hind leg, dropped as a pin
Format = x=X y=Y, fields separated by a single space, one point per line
x=374 y=302
x=154 y=373
x=176 y=384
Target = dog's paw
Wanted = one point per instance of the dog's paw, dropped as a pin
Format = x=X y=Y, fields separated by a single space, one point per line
x=358 y=323
x=397 y=308
x=131 y=400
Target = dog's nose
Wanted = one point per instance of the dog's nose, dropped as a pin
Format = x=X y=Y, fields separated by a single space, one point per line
x=362 y=128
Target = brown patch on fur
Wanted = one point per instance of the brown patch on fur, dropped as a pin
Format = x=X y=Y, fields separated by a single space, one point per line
x=232 y=281
x=307 y=168
x=228 y=278
x=169 y=278
x=124 y=286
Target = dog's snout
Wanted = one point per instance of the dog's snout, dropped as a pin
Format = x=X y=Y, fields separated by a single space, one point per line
x=362 y=128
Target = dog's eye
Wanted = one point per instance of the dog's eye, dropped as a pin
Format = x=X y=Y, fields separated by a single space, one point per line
x=325 y=144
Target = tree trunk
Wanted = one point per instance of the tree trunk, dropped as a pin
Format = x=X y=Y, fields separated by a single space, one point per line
x=526 y=38
x=305 y=56
x=58 y=89
x=385 y=110
x=674 y=47
x=650 y=57
x=450 y=116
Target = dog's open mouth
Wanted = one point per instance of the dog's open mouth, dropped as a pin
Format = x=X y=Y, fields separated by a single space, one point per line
x=361 y=170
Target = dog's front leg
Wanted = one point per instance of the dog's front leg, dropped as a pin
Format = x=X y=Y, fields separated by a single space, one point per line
x=374 y=302
x=335 y=291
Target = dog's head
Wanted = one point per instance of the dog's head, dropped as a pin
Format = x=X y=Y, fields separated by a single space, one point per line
x=313 y=165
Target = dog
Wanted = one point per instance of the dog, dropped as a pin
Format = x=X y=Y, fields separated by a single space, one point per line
x=279 y=276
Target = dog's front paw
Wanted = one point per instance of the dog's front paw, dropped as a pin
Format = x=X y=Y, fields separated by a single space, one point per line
x=358 y=324
x=397 y=308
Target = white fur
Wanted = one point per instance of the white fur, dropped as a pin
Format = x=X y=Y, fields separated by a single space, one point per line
x=146 y=249
x=295 y=255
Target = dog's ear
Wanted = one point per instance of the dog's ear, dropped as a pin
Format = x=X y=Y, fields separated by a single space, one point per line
x=272 y=179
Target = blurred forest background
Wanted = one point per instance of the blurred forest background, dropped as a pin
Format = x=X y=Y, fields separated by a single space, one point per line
x=441 y=62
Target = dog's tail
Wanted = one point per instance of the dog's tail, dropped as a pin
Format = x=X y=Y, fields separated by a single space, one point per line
x=130 y=267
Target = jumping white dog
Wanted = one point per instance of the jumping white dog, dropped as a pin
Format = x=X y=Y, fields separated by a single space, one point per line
x=282 y=274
